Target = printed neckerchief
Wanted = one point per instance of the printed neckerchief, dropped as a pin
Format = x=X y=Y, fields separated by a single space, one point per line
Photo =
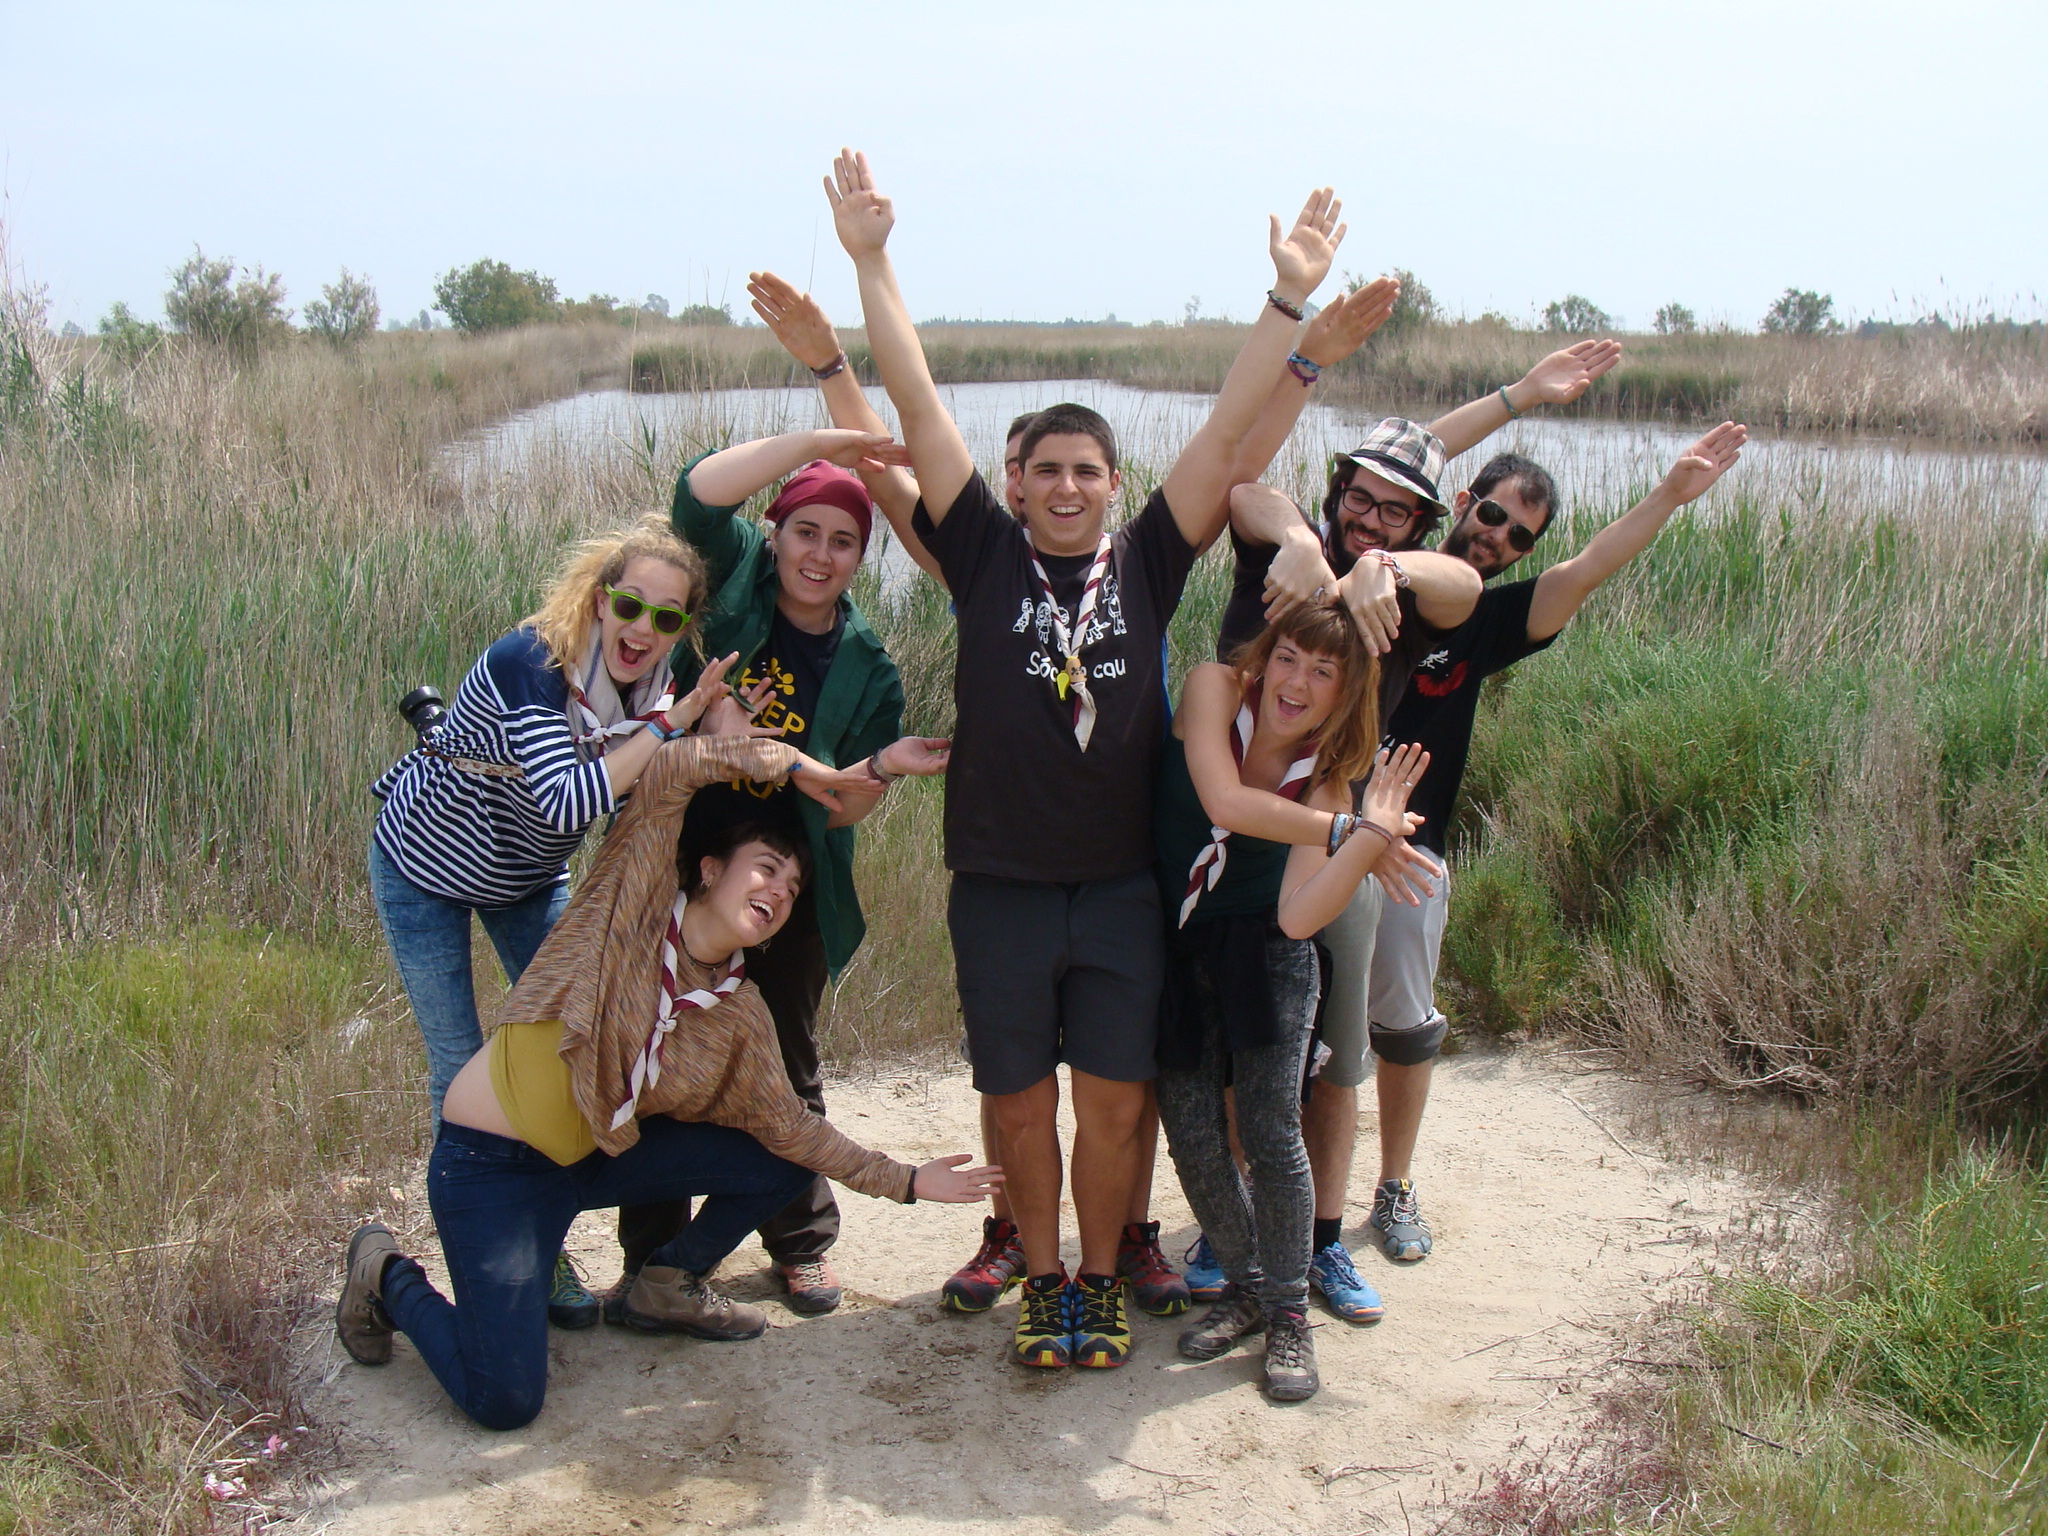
x=1072 y=675
x=647 y=1070
x=1217 y=849
x=596 y=712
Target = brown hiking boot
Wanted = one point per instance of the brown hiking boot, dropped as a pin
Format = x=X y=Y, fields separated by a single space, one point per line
x=359 y=1316
x=665 y=1300
x=813 y=1288
x=611 y=1300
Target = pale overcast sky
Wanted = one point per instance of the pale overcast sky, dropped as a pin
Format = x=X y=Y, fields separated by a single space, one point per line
x=1047 y=159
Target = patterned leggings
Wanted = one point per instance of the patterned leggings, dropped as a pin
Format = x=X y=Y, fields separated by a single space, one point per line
x=1261 y=1235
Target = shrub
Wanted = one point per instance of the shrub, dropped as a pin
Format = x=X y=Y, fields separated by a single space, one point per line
x=655 y=304
x=346 y=310
x=1676 y=320
x=128 y=338
x=209 y=302
x=1414 y=308
x=1575 y=315
x=487 y=295
x=1801 y=312
x=703 y=314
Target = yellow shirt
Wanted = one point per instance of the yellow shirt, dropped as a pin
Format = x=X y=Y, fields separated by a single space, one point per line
x=532 y=1082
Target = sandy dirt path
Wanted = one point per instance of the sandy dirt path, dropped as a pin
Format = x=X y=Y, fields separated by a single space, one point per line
x=1553 y=1235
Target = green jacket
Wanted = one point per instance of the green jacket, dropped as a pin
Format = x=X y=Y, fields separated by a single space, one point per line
x=860 y=706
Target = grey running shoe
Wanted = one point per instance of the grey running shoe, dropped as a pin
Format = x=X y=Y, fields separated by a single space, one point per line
x=1396 y=1217
x=359 y=1316
x=812 y=1287
x=570 y=1304
x=1291 y=1374
x=1234 y=1315
x=665 y=1300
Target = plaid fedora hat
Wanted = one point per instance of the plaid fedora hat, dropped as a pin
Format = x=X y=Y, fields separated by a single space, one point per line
x=1407 y=453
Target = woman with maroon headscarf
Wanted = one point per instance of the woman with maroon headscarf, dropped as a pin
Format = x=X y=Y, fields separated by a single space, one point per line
x=815 y=675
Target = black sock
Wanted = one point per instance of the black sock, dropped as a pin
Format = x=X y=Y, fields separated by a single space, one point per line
x=1329 y=1229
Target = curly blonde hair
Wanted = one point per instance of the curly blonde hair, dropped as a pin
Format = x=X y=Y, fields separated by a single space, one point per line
x=565 y=615
x=1351 y=734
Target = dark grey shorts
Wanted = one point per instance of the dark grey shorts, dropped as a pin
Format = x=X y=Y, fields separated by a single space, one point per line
x=1057 y=973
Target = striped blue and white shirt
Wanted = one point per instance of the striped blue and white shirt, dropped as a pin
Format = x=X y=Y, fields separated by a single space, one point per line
x=485 y=841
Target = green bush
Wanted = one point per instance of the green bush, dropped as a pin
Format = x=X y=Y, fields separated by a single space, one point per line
x=487 y=295
x=346 y=310
x=209 y=303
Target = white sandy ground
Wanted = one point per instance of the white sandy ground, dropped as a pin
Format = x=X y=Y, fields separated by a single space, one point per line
x=1555 y=1236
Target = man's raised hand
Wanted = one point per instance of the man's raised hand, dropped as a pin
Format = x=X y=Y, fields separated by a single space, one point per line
x=1302 y=259
x=1705 y=462
x=796 y=319
x=861 y=215
x=1341 y=326
x=1564 y=376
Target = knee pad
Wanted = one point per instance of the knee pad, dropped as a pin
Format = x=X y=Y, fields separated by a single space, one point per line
x=1410 y=1047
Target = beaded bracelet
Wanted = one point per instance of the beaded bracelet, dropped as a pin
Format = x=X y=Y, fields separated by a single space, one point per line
x=1303 y=369
x=1290 y=310
x=665 y=733
x=1504 y=400
x=837 y=365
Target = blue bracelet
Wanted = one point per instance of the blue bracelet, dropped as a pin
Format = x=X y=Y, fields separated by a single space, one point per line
x=1504 y=400
x=1303 y=369
x=662 y=733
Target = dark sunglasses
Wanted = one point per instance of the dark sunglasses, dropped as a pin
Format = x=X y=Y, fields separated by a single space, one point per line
x=1521 y=538
x=626 y=608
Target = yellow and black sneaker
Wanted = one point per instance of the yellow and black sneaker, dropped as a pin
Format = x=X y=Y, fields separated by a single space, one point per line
x=1102 y=1336
x=1045 y=1336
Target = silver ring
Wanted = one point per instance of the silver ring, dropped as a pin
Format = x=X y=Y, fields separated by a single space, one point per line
x=1320 y=591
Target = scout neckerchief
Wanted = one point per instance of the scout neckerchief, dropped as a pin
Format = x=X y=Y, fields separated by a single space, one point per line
x=597 y=713
x=1072 y=676
x=1216 y=850
x=670 y=1007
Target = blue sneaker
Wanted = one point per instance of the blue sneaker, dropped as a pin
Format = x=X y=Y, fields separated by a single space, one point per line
x=1199 y=1268
x=1333 y=1276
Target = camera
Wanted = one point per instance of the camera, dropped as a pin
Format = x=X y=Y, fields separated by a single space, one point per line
x=424 y=710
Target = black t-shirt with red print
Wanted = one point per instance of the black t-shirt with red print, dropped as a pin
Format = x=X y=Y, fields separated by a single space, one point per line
x=1442 y=701
x=1023 y=800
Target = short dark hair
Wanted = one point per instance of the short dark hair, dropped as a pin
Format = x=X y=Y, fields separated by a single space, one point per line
x=1020 y=426
x=1531 y=480
x=720 y=842
x=1068 y=419
x=1427 y=513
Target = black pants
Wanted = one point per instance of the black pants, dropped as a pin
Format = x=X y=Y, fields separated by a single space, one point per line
x=791 y=973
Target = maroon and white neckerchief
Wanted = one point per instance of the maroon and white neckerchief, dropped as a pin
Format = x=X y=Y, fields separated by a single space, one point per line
x=597 y=713
x=671 y=1006
x=1072 y=675
x=1217 y=849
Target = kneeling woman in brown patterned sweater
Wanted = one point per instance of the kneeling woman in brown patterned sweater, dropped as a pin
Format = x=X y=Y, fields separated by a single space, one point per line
x=634 y=1063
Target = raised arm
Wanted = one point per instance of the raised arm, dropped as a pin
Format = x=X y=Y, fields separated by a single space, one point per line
x=1561 y=589
x=863 y=218
x=799 y=323
x=1317 y=886
x=1208 y=703
x=730 y=476
x=1558 y=380
x=1199 y=482
x=1336 y=331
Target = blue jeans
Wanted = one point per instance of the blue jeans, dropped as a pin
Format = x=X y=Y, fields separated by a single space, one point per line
x=502 y=1210
x=429 y=939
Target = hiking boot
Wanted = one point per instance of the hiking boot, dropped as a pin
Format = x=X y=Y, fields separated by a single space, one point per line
x=1044 y=1335
x=1155 y=1285
x=1235 y=1315
x=1203 y=1275
x=570 y=1304
x=1291 y=1375
x=813 y=1288
x=1333 y=1276
x=1396 y=1217
x=613 y=1302
x=359 y=1316
x=1102 y=1334
x=993 y=1270
x=666 y=1300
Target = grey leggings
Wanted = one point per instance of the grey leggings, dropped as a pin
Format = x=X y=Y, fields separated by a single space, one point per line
x=1261 y=1235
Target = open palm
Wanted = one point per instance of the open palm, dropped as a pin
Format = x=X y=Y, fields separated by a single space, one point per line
x=1705 y=462
x=1564 y=376
x=861 y=216
x=795 y=318
x=1302 y=260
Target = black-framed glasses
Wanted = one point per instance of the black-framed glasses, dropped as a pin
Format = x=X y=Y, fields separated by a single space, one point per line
x=1358 y=501
x=626 y=608
x=1521 y=537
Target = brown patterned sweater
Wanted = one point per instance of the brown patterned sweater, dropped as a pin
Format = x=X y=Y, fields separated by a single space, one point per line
x=599 y=974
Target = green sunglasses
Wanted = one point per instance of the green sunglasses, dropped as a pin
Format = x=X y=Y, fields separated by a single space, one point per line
x=626 y=608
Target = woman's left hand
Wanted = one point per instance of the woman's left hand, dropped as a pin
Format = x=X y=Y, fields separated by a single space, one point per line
x=1393 y=781
x=711 y=687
